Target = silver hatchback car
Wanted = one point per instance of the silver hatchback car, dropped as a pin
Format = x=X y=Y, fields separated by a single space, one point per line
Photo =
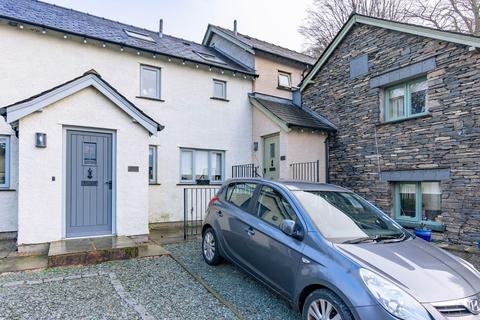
x=333 y=255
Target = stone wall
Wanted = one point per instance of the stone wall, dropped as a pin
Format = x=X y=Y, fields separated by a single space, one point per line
x=447 y=137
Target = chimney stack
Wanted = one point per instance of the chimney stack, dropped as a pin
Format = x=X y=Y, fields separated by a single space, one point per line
x=235 y=26
x=160 y=29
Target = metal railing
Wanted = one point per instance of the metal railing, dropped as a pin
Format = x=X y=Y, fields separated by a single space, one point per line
x=306 y=171
x=195 y=204
x=245 y=171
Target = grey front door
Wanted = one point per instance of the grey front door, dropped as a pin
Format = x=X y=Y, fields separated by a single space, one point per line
x=271 y=155
x=89 y=183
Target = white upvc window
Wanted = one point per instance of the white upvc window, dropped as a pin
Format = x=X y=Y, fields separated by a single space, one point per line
x=150 y=82
x=152 y=165
x=4 y=161
x=219 y=89
x=202 y=166
x=284 y=79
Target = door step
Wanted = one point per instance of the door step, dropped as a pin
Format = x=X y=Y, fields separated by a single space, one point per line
x=91 y=251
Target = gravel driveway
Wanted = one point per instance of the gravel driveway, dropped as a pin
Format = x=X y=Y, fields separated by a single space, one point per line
x=135 y=289
x=251 y=299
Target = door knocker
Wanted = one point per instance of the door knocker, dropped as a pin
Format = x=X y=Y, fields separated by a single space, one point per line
x=90 y=176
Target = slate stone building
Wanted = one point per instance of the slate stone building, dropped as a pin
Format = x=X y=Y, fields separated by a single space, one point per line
x=406 y=102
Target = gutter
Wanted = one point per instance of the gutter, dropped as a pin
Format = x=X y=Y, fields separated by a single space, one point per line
x=124 y=45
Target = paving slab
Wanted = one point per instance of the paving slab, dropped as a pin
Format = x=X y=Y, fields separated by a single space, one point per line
x=7 y=247
x=151 y=250
x=91 y=251
x=22 y=263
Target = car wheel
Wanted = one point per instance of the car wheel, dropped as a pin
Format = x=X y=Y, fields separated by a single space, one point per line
x=210 y=248
x=323 y=304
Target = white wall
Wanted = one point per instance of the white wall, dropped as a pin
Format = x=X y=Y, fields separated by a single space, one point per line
x=307 y=146
x=41 y=213
x=32 y=63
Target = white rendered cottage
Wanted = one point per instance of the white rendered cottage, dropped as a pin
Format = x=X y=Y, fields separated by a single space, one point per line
x=73 y=138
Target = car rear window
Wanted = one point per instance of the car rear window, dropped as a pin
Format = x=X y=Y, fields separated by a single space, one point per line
x=240 y=194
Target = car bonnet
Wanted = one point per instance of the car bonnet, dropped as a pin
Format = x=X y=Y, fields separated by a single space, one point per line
x=428 y=273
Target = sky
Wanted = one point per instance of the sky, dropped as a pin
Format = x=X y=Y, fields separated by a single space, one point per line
x=275 y=21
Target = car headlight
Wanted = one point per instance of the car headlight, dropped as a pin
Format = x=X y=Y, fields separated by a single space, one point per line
x=392 y=298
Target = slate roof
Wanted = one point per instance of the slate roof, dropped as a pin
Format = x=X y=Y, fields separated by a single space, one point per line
x=269 y=47
x=82 y=24
x=293 y=116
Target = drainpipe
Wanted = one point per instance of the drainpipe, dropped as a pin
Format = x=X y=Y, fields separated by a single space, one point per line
x=297 y=97
x=160 y=29
x=327 y=162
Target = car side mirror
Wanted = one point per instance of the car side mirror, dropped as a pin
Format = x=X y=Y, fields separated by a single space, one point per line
x=292 y=229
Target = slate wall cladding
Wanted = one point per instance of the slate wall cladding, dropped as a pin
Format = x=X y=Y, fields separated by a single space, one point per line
x=449 y=137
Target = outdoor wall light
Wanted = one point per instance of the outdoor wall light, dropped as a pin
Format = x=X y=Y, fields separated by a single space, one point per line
x=255 y=146
x=40 y=140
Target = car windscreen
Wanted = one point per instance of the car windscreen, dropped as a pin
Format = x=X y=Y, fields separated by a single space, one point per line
x=347 y=217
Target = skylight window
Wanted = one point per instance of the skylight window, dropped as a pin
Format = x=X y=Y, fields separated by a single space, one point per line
x=141 y=36
x=210 y=57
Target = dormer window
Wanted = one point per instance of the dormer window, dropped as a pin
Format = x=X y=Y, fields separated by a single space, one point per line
x=210 y=57
x=140 y=36
x=284 y=80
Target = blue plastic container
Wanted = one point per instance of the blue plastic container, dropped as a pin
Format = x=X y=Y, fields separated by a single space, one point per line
x=424 y=234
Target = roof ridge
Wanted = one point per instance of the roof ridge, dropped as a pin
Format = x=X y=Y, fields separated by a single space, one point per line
x=270 y=43
x=416 y=25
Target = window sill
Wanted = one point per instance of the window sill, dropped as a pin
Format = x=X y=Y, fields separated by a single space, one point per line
x=284 y=88
x=434 y=226
x=7 y=189
x=200 y=185
x=152 y=99
x=220 y=99
x=154 y=184
x=417 y=116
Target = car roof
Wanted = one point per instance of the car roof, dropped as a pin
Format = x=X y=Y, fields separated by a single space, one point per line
x=294 y=185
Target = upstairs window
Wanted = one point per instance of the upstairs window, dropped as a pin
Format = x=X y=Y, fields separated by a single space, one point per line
x=406 y=100
x=149 y=82
x=4 y=161
x=219 y=89
x=284 y=80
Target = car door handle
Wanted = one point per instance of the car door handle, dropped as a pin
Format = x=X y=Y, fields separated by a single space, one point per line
x=220 y=213
x=250 y=231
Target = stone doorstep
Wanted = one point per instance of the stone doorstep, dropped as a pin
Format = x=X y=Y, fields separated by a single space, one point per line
x=91 y=251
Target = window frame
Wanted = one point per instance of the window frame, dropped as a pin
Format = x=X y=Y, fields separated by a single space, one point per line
x=407 y=100
x=224 y=84
x=7 y=140
x=210 y=152
x=417 y=220
x=159 y=81
x=154 y=180
x=289 y=76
